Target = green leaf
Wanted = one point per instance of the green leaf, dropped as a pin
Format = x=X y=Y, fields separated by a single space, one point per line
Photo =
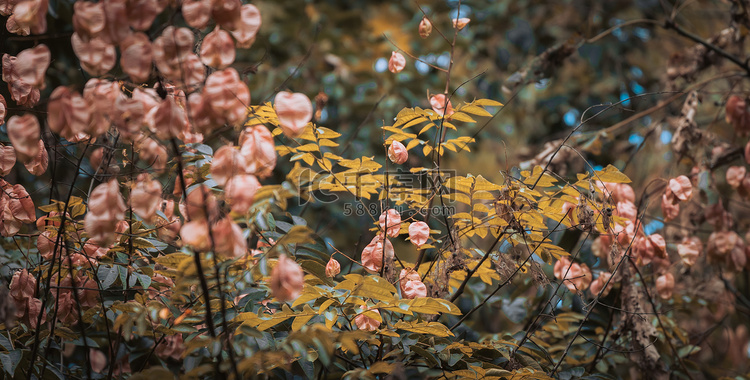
x=107 y=275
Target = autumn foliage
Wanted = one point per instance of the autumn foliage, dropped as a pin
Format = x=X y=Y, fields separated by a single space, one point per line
x=159 y=221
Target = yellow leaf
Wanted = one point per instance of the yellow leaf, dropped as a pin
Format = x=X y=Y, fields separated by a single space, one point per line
x=327 y=142
x=308 y=148
x=460 y=116
x=487 y=102
x=611 y=174
x=413 y=143
x=432 y=328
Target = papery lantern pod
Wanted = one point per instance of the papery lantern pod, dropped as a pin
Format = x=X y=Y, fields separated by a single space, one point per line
x=148 y=97
x=332 y=267
x=669 y=208
x=38 y=165
x=12 y=26
x=256 y=144
x=22 y=285
x=460 y=23
x=25 y=74
x=168 y=120
x=100 y=228
x=411 y=284
x=189 y=136
x=106 y=202
x=575 y=276
x=414 y=289
x=200 y=113
x=168 y=229
x=45 y=244
x=96 y=55
x=287 y=279
x=643 y=250
x=20 y=204
x=201 y=204
x=627 y=210
x=136 y=57
x=627 y=233
x=98 y=360
x=248 y=26
x=738 y=115
x=227 y=13
x=425 y=28
x=734 y=176
x=9 y=226
x=366 y=322
x=618 y=192
x=195 y=234
x=190 y=73
x=29 y=313
x=599 y=284
x=100 y=94
x=29 y=16
x=6 y=7
x=397 y=62
x=727 y=247
x=227 y=95
x=438 y=105
x=240 y=192
x=228 y=239
x=66 y=307
x=171 y=48
x=227 y=163
x=717 y=216
x=24 y=134
x=68 y=114
x=117 y=27
x=141 y=13
x=188 y=174
x=665 y=285
x=88 y=18
x=397 y=153
x=681 y=187
x=217 y=49
x=153 y=153
x=173 y=347
x=408 y=274
x=128 y=116
x=53 y=219
x=393 y=220
x=196 y=13
x=372 y=254
x=93 y=249
x=690 y=249
x=419 y=232
x=294 y=111
x=145 y=198
x=7 y=159
x=3 y=109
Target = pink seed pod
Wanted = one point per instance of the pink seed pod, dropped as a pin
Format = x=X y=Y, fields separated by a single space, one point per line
x=397 y=62
x=333 y=268
x=287 y=279
x=397 y=153
x=419 y=232
x=295 y=111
